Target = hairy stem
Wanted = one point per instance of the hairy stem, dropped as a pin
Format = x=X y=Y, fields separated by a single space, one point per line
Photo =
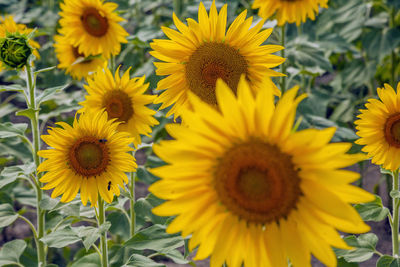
x=103 y=238
x=395 y=220
x=132 y=203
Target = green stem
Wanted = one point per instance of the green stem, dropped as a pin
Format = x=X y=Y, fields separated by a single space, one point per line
x=393 y=55
x=103 y=238
x=132 y=203
x=283 y=65
x=112 y=63
x=36 y=145
x=395 y=222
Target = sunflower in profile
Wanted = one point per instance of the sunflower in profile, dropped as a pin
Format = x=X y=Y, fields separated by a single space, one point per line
x=290 y=11
x=91 y=156
x=8 y=25
x=124 y=100
x=75 y=63
x=379 y=128
x=249 y=189
x=92 y=26
x=201 y=52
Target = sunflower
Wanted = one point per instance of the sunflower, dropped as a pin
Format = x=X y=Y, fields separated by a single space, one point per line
x=74 y=62
x=8 y=25
x=251 y=190
x=92 y=26
x=123 y=99
x=198 y=54
x=289 y=10
x=91 y=156
x=379 y=128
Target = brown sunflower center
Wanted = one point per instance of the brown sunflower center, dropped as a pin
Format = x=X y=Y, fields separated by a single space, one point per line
x=118 y=105
x=392 y=130
x=210 y=62
x=89 y=156
x=94 y=23
x=257 y=182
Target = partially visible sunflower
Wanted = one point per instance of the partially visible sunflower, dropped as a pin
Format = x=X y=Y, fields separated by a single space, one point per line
x=251 y=190
x=74 y=62
x=92 y=26
x=198 y=54
x=379 y=128
x=123 y=99
x=8 y=25
x=290 y=11
x=91 y=156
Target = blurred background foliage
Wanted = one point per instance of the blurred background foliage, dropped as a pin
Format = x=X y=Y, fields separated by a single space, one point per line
x=339 y=60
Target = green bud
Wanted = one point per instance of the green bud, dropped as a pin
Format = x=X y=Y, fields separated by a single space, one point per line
x=15 y=50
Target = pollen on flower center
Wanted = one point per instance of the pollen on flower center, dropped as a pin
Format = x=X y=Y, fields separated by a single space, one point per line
x=257 y=182
x=94 y=23
x=212 y=61
x=88 y=156
x=118 y=105
x=392 y=130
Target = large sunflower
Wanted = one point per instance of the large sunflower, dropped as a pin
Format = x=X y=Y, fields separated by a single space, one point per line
x=198 y=54
x=123 y=99
x=8 y=25
x=74 y=62
x=379 y=128
x=92 y=26
x=290 y=11
x=251 y=190
x=91 y=156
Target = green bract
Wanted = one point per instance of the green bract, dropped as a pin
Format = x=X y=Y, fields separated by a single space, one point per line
x=15 y=50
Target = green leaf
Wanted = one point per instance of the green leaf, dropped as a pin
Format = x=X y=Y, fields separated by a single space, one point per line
x=143 y=212
x=47 y=93
x=48 y=203
x=137 y=260
x=373 y=211
x=9 y=129
x=119 y=224
x=29 y=113
x=11 y=252
x=395 y=194
x=7 y=215
x=364 y=248
x=91 y=234
x=12 y=173
x=12 y=88
x=61 y=238
x=388 y=261
x=90 y=260
x=145 y=176
x=155 y=238
x=46 y=69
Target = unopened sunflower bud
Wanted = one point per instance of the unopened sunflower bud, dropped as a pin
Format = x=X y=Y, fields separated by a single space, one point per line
x=15 y=50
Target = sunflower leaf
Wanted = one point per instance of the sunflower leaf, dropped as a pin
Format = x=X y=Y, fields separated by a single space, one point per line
x=364 y=248
x=9 y=129
x=12 y=173
x=91 y=234
x=137 y=260
x=11 y=252
x=388 y=261
x=7 y=215
x=47 y=93
x=372 y=211
x=61 y=238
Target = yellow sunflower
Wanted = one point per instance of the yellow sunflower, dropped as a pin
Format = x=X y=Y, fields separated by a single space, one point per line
x=74 y=62
x=91 y=156
x=123 y=99
x=8 y=25
x=290 y=11
x=92 y=26
x=201 y=52
x=379 y=128
x=251 y=190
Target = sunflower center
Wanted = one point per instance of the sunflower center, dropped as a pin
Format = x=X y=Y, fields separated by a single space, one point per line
x=257 y=182
x=89 y=156
x=94 y=23
x=392 y=130
x=118 y=105
x=212 y=61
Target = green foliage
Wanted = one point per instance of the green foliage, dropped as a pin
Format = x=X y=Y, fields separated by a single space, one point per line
x=373 y=211
x=364 y=248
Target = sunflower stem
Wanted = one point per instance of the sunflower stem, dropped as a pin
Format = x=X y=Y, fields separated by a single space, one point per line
x=103 y=238
x=132 y=203
x=112 y=63
x=395 y=222
x=283 y=65
x=41 y=253
x=393 y=55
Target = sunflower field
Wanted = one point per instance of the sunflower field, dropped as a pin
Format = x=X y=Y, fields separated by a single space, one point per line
x=240 y=133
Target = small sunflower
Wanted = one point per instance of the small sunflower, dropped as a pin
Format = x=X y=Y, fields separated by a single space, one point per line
x=91 y=156
x=250 y=190
x=379 y=128
x=201 y=52
x=74 y=62
x=123 y=99
x=290 y=11
x=8 y=25
x=92 y=26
